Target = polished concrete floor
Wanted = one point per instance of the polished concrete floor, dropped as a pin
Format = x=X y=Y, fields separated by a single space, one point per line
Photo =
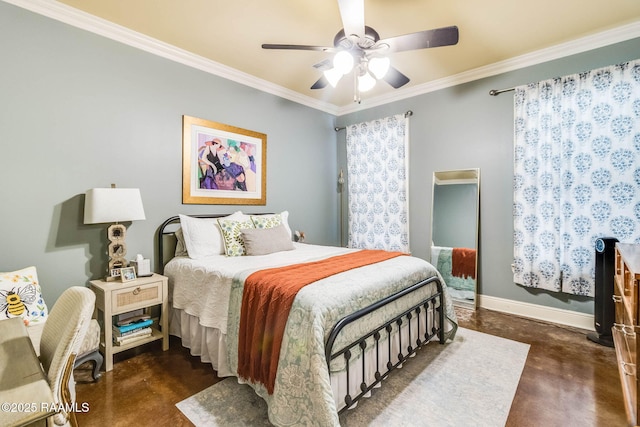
x=567 y=380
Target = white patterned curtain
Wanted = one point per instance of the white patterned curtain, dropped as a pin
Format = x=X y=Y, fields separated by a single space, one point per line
x=377 y=167
x=576 y=174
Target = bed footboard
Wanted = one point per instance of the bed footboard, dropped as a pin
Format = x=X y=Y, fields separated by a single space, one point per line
x=418 y=337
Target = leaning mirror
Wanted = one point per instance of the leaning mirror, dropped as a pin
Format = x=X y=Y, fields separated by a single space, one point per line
x=454 y=232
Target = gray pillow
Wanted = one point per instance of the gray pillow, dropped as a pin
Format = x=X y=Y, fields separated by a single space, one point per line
x=181 y=248
x=263 y=241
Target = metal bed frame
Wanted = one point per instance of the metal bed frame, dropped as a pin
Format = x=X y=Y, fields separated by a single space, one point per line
x=421 y=339
x=378 y=334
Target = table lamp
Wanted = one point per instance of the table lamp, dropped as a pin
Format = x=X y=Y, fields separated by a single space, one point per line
x=105 y=205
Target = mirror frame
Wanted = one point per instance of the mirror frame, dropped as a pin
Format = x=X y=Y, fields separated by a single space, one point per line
x=459 y=176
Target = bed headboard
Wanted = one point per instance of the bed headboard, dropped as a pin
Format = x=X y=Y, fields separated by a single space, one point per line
x=167 y=237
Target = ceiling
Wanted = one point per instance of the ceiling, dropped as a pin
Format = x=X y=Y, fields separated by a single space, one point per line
x=231 y=32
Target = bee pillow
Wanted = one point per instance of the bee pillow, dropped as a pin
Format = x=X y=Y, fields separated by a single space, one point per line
x=21 y=296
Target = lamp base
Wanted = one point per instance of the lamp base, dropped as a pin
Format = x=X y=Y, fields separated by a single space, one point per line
x=116 y=234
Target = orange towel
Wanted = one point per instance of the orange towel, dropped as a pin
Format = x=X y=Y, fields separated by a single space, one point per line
x=266 y=301
x=463 y=262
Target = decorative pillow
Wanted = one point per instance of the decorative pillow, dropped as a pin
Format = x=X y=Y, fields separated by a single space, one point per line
x=21 y=296
x=266 y=221
x=232 y=235
x=202 y=236
x=263 y=241
x=272 y=220
x=181 y=249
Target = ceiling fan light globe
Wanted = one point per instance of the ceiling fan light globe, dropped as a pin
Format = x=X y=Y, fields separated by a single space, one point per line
x=379 y=66
x=343 y=61
x=366 y=82
x=333 y=75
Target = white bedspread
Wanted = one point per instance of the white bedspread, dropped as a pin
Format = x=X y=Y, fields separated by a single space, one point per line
x=202 y=287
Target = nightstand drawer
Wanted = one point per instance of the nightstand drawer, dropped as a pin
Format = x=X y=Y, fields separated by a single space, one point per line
x=136 y=297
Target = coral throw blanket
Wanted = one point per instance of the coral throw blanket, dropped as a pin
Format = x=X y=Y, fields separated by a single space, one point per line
x=266 y=301
x=463 y=262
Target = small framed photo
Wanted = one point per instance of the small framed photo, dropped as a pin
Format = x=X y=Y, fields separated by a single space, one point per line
x=114 y=274
x=127 y=274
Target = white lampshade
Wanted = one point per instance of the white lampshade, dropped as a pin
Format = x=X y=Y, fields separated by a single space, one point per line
x=333 y=75
x=379 y=66
x=343 y=61
x=102 y=205
x=366 y=82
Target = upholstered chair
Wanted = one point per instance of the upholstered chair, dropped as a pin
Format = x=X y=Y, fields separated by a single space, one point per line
x=89 y=349
x=62 y=337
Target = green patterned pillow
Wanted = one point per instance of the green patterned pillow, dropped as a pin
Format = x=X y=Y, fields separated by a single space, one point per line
x=266 y=221
x=232 y=235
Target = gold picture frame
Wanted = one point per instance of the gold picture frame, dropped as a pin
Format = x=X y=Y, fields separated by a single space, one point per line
x=222 y=164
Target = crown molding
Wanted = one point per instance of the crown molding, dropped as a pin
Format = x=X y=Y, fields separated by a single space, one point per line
x=584 y=44
x=79 y=19
x=74 y=17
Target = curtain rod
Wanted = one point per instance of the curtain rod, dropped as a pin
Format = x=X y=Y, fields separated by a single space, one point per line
x=496 y=92
x=409 y=113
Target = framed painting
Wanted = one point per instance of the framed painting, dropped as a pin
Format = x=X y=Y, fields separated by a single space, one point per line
x=222 y=164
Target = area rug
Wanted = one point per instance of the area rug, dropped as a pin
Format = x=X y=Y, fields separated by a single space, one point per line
x=468 y=382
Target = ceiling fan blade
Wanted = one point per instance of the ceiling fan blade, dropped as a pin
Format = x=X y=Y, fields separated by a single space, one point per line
x=325 y=65
x=352 y=14
x=321 y=83
x=445 y=36
x=395 y=78
x=298 y=47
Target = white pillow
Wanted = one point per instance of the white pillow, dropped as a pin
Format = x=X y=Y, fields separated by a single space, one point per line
x=202 y=236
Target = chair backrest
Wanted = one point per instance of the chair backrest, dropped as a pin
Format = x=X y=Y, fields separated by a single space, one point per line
x=62 y=336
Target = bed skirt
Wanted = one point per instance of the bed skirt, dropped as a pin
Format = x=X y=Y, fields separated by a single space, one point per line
x=210 y=345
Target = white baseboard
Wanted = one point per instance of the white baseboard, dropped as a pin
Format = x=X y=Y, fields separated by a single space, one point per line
x=539 y=312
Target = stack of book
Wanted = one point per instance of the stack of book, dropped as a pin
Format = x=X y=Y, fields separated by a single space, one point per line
x=125 y=332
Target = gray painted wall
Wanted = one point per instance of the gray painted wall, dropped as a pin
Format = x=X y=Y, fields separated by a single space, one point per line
x=463 y=127
x=79 y=111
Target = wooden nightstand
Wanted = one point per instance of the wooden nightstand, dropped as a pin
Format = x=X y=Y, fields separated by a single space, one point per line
x=113 y=298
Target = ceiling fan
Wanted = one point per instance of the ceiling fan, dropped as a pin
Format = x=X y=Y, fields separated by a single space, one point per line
x=359 y=47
